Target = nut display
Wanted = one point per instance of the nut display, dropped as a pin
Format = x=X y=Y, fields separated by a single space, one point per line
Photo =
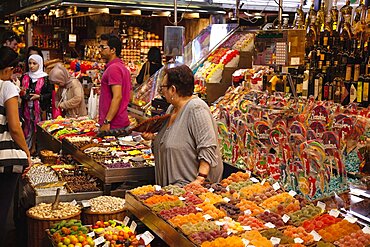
x=44 y=211
x=106 y=204
x=41 y=174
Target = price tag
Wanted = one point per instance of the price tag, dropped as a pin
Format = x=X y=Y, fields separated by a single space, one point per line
x=227 y=188
x=270 y=225
x=350 y=219
x=74 y=203
x=292 y=193
x=99 y=240
x=91 y=234
x=211 y=190
x=275 y=240
x=133 y=226
x=157 y=187
x=268 y=211
x=219 y=223
x=276 y=186
x=334 y=212
x=207 y=216
x=315 y=235
x=85 y=204
x=247 y=228
x=107 y=244
x=245 y=242
x=285 y=218
x=226 y=199
x=366 y=230
x=198 y=209
x=147 y=237
x=321 y=205
x=247 y=212
x=229 y=231
x=126 y=220
x=298 y=241
x=254 y=180
x=182 y=198
x=263 y=181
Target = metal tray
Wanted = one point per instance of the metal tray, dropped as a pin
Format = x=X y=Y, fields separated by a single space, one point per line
x=108 y=176
x=163 y=229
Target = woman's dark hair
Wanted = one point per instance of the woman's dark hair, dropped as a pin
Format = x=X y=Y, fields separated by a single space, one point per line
x=10 y=36
x=154 y=55
x=182 y=78
x=113 y=42
x=34 y=48
x=8 y=57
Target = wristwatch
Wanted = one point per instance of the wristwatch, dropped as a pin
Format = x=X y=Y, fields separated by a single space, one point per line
x=106 y=121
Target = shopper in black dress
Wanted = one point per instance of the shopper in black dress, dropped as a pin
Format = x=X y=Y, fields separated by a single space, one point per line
x=151 y=66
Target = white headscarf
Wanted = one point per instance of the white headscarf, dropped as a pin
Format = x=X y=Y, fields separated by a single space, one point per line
x=40 y=72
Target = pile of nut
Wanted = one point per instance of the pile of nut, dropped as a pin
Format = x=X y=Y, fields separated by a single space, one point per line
x=44 y=211
x=41 y=174
x=106 y=204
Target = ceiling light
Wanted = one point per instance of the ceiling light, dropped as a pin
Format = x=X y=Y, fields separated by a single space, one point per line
x=161 y=13
x=192 y=15
x=101 y=10
x=131 y=12
x=6 y=22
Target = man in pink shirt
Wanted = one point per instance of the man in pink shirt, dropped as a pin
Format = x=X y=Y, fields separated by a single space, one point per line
x=115 y=86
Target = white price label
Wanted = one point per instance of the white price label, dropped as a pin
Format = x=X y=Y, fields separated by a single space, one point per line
x=229 y=231
x=247 y=212
x=275 y=240
x=276 y=186
x=99 y=240
x=292 y=193
x=285 y=218
x=226 y=199
x=268 y=211
x=198 y=209
x=248 y=172
x=182 y=198
x=298 y=241
x=74 y=203
x=247 y=228
x=315 y=235
x=107 y=244
x=270 y=225
x=321 y=205
x=133 y=226
x=227 y=188
x=207 y=216
x=263 y=181
x=91 y=234
x=211 y=190
x=85 y=203
x=334 y=212
x=350 y=219
x=366 y=230
x=157 y=187
x=126 y=220
x=147 y=237
x=219 y=223
x=254 y=180
x=245 y=242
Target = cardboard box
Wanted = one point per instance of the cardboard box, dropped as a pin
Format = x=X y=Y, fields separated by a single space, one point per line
x=245 y=60
x=216 y=90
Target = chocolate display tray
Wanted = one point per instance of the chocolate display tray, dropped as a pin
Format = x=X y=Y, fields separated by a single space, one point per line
x=108 y=176
x=163 y=229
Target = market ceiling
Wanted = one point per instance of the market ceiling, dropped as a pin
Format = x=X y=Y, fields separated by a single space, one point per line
x=31 y=6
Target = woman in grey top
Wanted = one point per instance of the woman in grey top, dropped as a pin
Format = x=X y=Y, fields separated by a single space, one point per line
x=186 y=148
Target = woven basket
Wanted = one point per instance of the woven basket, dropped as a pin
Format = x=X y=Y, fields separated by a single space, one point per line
x=48 y=159
x=90 y=218
x=37 y=236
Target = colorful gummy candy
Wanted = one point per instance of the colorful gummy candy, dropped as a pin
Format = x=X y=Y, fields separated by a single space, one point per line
x=211 y=198
x=160 y=198
x=252 y=222
x=235 y=177
x=307 y=212
x=256 y=239
x=233 y=241
x=142 y=190
x=338 y=230
x=249 y=205
x=184 y=219
x=358 y=239
x=298 y=232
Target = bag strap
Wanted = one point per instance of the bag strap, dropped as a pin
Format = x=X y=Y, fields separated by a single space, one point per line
x=147 y=69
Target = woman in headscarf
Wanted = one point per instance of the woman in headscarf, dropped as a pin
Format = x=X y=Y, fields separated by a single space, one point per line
x=70 y=95
x=36 y=94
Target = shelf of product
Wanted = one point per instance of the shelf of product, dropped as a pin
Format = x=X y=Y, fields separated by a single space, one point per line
x=112 y=233
x=74 y=181
x=113 y=159
x=230 y=218
x=297 y=142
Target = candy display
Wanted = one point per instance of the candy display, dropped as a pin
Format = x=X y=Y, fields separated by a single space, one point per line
x=296 y=142
x=283 y=218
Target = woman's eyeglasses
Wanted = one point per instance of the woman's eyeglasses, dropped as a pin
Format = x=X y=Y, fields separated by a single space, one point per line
x=103 y=47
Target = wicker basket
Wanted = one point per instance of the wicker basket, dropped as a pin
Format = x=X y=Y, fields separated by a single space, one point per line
x=37 y=236
x=90 y=218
